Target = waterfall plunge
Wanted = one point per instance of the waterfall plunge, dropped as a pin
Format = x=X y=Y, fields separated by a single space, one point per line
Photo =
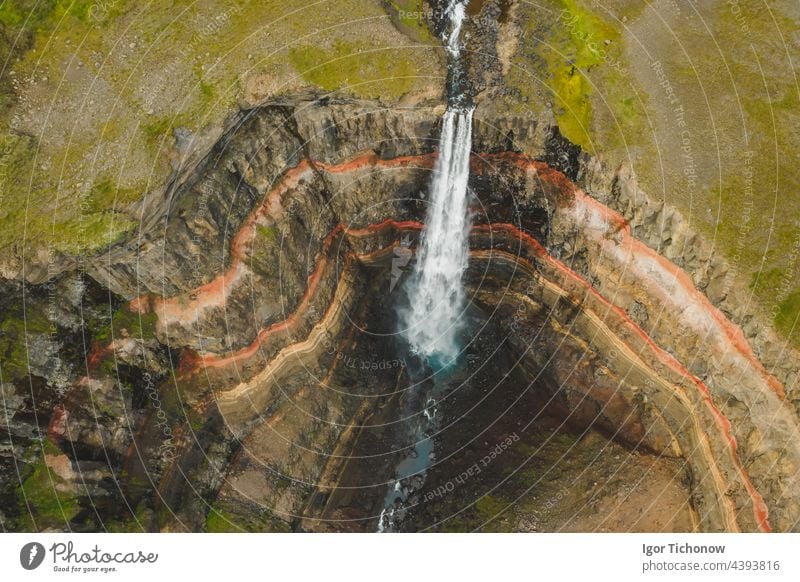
x=435 y=291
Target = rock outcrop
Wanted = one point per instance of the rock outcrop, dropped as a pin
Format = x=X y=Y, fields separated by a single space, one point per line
x=249 y=373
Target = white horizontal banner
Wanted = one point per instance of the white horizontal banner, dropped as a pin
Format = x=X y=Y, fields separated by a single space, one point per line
x=355 y=557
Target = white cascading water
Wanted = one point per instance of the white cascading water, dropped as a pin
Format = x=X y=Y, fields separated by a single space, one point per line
x=436 y=297
x=435 y=292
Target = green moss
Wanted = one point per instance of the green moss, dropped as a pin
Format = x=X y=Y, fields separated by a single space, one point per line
x=486 y=509
x=489 y=508
x=409 y=19
x=605 y=99
x=355 y=67
x=106 y=195
x=207 y=90
x=90 y=232
x=465 y=522
x=205 y=86
x=573 y=59
x=123 y=321
x=16 y=329
x=158 y=128
x=761 y=281
x=787 y=317
x=221 y=520
x=282 y=482
x=48 y=507
x=16 y=155
x=26 y=14
x=28 y=215
x=267 y=243
x=194 y=70
x=268 y=233
x=137 y=523
x=11 y=14
x=51 y=12
x=578 y=43
x=134 y=480
x=196 y=419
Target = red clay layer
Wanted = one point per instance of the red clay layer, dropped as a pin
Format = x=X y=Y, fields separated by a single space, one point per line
x=759 y=507
x=219 y=288
x=733 y=332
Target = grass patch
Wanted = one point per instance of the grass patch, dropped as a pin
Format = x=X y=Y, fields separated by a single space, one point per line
x=578 y=44
x=49 y=508
x=124 y=322
x=159 y=128
x=265 y=246
x=787 y=317
x=574 y=60
x=489 y=508
x=14 y=340
x=150 y=68
x=409 y=19
x=93 y=231
x=766 y=280
x=105 y=194
x=29 y=216
x=573 y=55
x=221 y=520
x=195 y=419
x=355 y=67
x=137 y=523
x=268 y=233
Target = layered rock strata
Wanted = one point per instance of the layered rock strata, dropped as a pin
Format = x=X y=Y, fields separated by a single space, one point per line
x=285 y=250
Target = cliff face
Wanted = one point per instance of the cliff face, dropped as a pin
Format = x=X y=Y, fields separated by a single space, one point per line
x=247 y=373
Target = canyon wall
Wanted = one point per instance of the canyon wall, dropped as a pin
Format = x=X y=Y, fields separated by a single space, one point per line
x=217 y=393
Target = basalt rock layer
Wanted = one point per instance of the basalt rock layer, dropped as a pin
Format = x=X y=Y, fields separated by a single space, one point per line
x=259 y=382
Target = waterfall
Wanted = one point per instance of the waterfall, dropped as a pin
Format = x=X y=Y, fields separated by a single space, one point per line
x=435 y=291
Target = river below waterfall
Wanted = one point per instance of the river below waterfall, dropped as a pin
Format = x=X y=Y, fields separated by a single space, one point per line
x=435 y=315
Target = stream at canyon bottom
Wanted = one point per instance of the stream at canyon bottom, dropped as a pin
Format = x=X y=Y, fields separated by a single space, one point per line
x=433 y=319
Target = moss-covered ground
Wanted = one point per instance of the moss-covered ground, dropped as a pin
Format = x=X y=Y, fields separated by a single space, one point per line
x=701 y=100
x=222 y=520
x=42 y=505
x=91 y=94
